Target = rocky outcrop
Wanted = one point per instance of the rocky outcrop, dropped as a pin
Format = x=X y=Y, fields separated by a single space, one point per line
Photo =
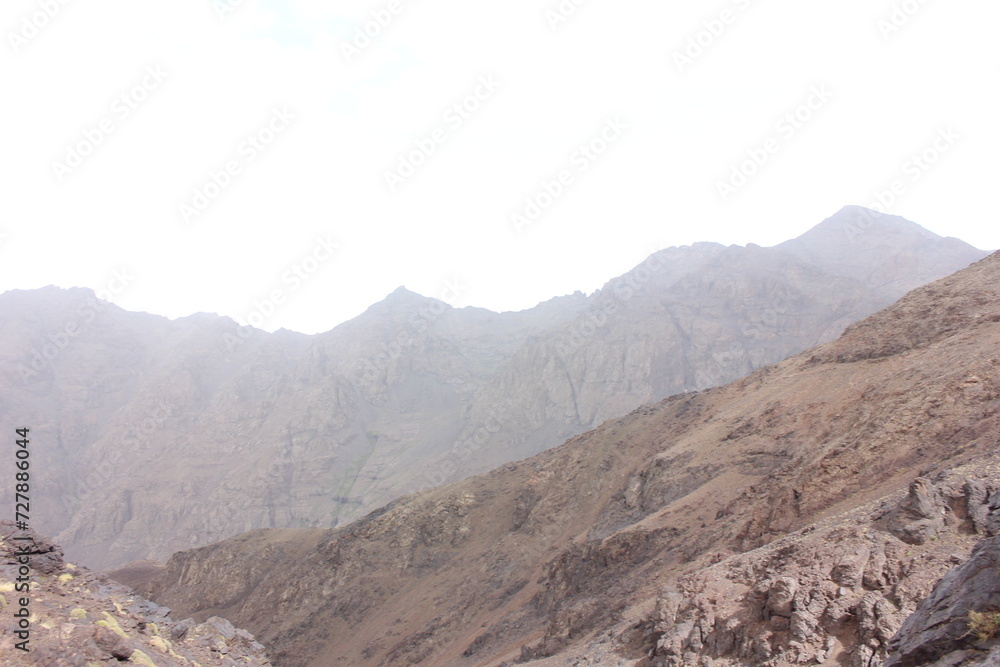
x=76 y=617
x=945 y=629
x=836 y=593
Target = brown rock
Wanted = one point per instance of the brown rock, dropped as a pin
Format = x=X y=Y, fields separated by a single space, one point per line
x=113 y=644
x=922 y=515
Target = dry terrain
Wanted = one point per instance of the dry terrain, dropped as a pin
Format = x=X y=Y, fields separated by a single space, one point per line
x=796 y=516
x=156 y=435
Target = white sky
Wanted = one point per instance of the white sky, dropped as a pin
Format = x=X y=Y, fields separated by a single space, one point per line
x=324 y=173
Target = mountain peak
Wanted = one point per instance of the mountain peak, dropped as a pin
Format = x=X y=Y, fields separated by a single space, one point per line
x=403 y=292
x=879 y=249
x=401 y=296
x=400 y=301
x=853 y=220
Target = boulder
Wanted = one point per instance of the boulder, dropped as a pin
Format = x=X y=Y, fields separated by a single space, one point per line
x=940 y=626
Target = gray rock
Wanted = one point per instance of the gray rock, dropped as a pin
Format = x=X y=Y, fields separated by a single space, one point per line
x=222 y=626
x=180 y=629
x=780 y=596
x=921 y=516
x=940 y=626
x=112 y=644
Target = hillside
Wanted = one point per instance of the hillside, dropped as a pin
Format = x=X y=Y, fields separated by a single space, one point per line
x=795 y=516
x=157 y=435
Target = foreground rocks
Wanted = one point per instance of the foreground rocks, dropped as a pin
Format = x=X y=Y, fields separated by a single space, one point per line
x=80 y=618
x=940 y=631
x=837 y=593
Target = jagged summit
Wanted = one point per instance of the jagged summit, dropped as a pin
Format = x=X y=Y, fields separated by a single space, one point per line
x=51 y=294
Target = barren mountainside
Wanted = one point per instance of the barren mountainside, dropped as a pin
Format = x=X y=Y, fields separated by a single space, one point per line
x=157 y=435
x=795 y=516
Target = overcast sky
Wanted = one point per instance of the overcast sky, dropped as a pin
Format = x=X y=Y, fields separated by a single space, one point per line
x=207 y=156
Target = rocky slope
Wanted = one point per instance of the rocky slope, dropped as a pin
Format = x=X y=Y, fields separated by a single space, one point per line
x=76 y=618
x=792 y=517
x=157 y=435
x=833 y=593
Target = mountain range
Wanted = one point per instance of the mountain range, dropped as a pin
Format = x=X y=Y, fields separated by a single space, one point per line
x=840 y=507
x=158 y=435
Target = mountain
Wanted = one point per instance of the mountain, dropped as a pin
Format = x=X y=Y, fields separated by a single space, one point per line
x=156 y=435
x=887 y=252
x=795 y=516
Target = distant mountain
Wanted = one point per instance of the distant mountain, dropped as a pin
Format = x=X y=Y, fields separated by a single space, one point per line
x=156 y=435
x=797 y=516
x=886 y=252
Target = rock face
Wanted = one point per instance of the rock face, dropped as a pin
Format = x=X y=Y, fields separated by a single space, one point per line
x=80 y=618
x=157 y=435
x=837 y=592
x=939 y=632
x=796 y=516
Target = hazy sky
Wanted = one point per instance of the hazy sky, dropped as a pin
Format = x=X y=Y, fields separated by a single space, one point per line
x=200 y=155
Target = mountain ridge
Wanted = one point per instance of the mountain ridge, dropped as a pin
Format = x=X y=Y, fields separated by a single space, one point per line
x=287 y=430
x=658 y=537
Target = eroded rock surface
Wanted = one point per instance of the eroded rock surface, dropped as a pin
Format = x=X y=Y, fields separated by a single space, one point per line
x=835 y=593
x=939 y=632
